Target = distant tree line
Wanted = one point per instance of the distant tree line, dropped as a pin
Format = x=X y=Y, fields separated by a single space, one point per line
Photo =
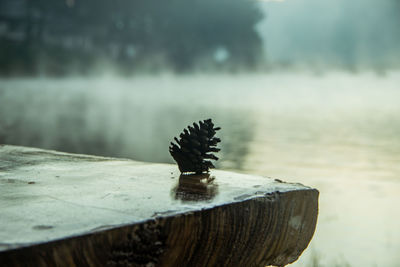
x=55 y=36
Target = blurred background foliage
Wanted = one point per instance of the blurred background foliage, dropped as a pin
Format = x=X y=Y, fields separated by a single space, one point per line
x=70 y=37
x=59 y=37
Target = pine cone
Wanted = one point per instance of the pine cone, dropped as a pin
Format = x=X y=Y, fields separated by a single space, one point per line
x=194 y=146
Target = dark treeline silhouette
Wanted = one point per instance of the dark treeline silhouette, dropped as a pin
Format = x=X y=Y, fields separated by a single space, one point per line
x=57 y=37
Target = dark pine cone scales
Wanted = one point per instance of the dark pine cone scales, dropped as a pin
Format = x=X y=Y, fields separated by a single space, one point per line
x=195 y=146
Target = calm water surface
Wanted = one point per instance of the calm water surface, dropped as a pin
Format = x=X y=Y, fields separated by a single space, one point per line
x=337 y=132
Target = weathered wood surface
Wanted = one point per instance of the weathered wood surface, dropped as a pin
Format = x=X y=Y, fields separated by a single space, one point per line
x=60 y=209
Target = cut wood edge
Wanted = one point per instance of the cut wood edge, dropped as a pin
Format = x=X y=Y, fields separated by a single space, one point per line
x=249 y=232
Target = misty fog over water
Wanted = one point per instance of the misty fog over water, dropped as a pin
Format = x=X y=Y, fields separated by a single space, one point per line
x=136 y=117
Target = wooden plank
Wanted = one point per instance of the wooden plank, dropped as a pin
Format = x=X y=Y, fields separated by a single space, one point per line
x=77 y=210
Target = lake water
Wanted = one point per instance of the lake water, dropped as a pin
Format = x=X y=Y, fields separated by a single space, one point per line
x=337 y=132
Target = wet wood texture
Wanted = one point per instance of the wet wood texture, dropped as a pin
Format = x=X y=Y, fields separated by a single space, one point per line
x=60 y=209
